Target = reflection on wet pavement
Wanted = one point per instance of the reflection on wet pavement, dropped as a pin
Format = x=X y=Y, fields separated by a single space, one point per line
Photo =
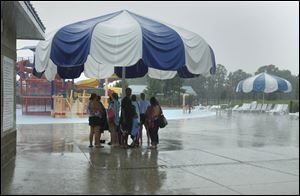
x=240 y=154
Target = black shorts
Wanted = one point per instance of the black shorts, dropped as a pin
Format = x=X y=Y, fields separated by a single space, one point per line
x=142 y=118
x=95 y=121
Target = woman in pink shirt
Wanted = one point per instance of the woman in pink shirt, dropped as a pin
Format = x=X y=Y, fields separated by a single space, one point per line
x=152 y=114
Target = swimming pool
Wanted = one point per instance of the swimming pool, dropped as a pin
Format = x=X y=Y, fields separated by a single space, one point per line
x=170 y=114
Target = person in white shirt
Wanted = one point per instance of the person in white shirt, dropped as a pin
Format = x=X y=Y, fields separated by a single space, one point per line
x=143 y=104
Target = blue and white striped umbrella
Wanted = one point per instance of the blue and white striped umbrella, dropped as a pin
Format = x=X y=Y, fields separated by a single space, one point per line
x=101 y=46
x=265 y=83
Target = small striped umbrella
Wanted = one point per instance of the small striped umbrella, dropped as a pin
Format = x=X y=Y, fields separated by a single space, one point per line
x=264 y=83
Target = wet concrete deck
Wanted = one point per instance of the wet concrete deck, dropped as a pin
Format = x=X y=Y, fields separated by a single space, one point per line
x=241 y=154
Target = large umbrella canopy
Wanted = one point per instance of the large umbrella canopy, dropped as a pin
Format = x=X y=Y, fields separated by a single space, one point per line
x=101 y=46
x=265 y=83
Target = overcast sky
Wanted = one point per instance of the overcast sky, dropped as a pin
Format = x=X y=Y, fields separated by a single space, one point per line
x=243 y=35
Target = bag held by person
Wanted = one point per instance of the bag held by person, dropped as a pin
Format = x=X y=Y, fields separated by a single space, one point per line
x=111 y=115
x=162 y=121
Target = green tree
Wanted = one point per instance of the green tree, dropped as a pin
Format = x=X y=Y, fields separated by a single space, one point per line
x=271 y=69
x=199 y=86
x=232 y=81
x=154 y=87
x=211 y=91
x=219 y=81
x=172 y=89
x=138 y=81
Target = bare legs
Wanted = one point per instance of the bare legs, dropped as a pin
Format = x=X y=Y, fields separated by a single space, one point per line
x=148 y=136
x=97 y=138
x=141 y=134
x=91 y=136
x=113 y=134
x=95 y=130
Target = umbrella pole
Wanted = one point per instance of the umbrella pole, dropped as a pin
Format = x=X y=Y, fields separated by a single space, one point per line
x=51 y=92
x=123 y=82
x=73 y=87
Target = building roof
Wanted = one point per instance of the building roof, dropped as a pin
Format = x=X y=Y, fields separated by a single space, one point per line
x=189 y=90
x=35 y=15
x=28 y=23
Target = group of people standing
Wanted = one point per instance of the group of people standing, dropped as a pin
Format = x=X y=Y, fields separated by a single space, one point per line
x=124 y=120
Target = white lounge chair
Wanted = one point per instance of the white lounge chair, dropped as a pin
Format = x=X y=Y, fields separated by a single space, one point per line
x=215 y=107
x=258 y=108
x=263 y=107
x=277 y=108
x=273 y=109
x=199 y=107
x=240 y=107
x=252 y=106
x=244 y=107
x=269 y=107
x=284 y=109
x=235 y=108
x=247 y=107
x=208 y=107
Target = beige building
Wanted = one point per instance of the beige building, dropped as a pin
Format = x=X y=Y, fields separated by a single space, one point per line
x=19 y=20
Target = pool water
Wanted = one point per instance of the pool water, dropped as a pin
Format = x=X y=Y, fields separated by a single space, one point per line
x=170 y=114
